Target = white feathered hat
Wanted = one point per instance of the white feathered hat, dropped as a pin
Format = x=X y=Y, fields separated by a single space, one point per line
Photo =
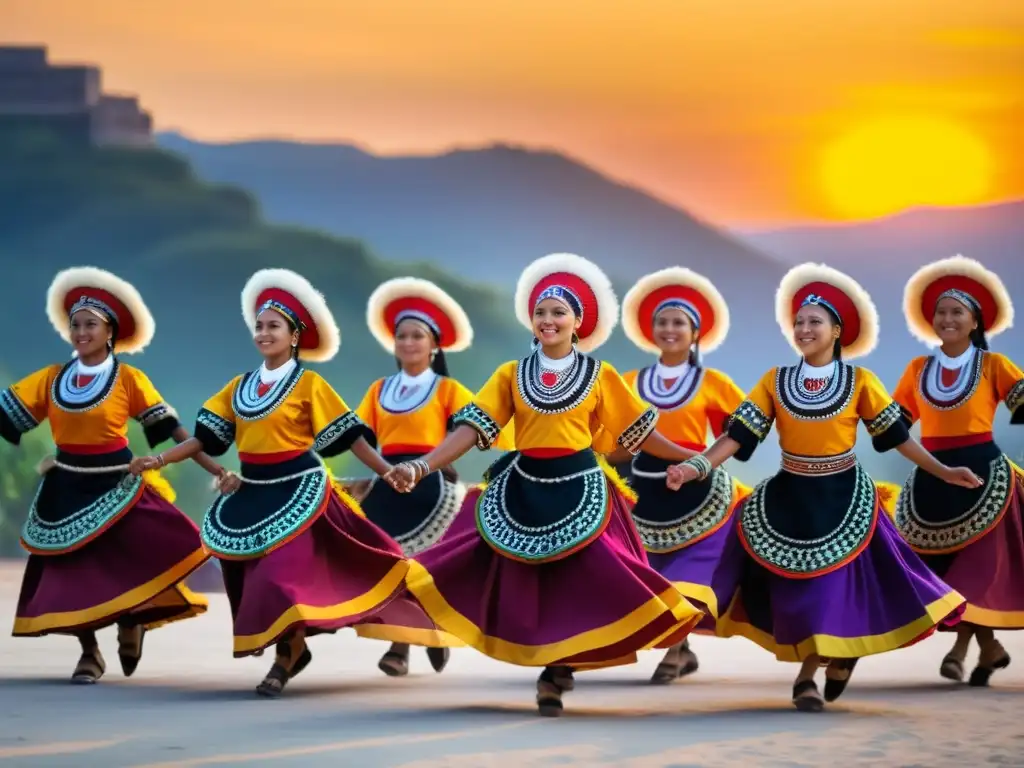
x=294 y=297
x=405 y=298
x=577 y=282
x=963 y=279
x=675 y=288
x=106 y=295
x=822 y=285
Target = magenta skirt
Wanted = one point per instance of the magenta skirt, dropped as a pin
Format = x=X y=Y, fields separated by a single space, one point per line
x=989 y=572
x=133 y=573
x=595 y=607
x=341 y=571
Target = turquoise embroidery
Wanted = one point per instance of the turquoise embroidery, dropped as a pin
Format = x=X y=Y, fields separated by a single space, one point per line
x=503 y=532
x=271 y=527
x=487 y=429
x=675 y=534
x=929 y=537
x=814 y=556
x=221 y=428
x=72 y=530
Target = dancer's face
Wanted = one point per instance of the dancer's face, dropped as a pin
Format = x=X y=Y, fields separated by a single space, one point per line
x=554 y=323
x=413 y=345
x=274 y=336
x=90 y=335
x=814 y=331
x=673 y=332
x=953 y=322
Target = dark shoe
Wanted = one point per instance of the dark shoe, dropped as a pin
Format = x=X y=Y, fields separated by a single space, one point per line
x=129 y=647
x=834 y=688
x=549 y=699
x=981 y=675
x=439 y=658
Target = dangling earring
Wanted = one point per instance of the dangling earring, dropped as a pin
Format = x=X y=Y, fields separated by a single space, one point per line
x=110 y=345
x=575 y=338
x=433 y=354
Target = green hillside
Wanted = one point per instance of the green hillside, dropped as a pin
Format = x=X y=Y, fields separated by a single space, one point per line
x=188 y=247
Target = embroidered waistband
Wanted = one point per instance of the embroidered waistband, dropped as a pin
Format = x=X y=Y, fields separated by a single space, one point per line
x=818 y=465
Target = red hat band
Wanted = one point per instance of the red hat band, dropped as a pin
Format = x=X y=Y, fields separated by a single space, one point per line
x=124 y=319
x=980 y=293
x=581 y=289
x=685 y=293
x=417 y=308
x=310 y=336
x=849 y=315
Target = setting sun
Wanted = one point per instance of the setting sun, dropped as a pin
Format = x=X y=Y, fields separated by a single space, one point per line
x=889 y=165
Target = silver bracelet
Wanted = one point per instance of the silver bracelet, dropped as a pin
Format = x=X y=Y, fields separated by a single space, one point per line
x=701 y=465
x=424 y=469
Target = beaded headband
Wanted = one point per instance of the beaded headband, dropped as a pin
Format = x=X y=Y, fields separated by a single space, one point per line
x=690 y=310
x=99 y=308
x=962 y=296
x=284 y=311
x=814 y=299
x=422 y=317
x=564 y=295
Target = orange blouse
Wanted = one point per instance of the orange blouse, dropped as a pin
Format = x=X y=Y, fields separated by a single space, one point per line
x=968 y=406
x=95 y=424
x=706 y=399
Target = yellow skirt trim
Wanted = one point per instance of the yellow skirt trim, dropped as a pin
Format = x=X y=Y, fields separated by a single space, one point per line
x=834 y=647
x=699 y=592
x=421 y=584
x=152 y=592
x=986 y=617
x=430 y=638
x=300 y=613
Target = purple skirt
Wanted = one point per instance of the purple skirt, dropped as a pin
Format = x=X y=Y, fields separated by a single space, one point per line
x=595 y=607
x=885 y=598
x=341 y=571
x=132 y=573
x=692 y=569
x=989 y=571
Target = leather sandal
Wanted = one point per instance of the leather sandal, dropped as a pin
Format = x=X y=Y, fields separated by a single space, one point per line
x=549 y=699
x=952 y=668
x=394 y=664
x=806 y=697
x=277 y=678
x=90 y=668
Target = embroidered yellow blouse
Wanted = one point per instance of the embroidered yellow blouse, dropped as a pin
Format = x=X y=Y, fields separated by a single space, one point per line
x=997 y=380
x=424 y=428
x=716 y=398
x=101 y=422
x=598 y=416
x=305 y=413
x=824 y=431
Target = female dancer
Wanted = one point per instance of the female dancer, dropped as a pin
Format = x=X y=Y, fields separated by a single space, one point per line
x=297 y=555
x=825 y=575
x=92 y=564
x=410 y=413
x=677 y=314
x=972 y=538
x=543 y=566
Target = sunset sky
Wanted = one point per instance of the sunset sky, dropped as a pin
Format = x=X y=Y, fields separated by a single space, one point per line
x=748 y=112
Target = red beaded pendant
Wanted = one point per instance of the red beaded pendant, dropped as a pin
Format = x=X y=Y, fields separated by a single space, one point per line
x=815 y=385
x=548 y=378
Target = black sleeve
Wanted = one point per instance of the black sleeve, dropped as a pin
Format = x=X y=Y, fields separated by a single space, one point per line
x=214 y=432
x=338 y=436
x=748 y=425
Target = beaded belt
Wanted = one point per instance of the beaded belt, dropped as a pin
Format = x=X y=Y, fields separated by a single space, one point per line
x=818 y=465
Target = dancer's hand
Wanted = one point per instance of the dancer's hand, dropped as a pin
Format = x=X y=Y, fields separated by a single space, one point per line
x=678 y=475
x=402 y=477
x=140 y=464
x=963 y=477
x=228 y=482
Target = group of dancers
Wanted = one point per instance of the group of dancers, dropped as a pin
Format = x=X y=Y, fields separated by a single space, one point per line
x=606 y=526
